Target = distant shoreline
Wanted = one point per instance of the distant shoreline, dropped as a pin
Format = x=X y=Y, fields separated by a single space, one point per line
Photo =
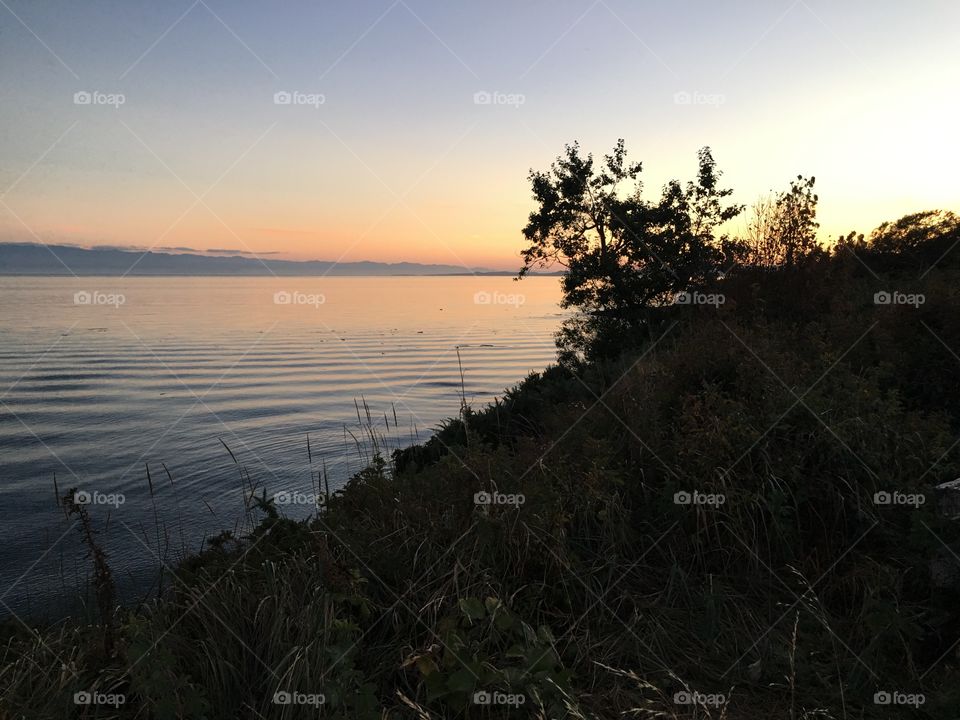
x=35 y=260
x=490 y=273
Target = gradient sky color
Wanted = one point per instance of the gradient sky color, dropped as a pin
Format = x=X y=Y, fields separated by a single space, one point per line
x=401 y=163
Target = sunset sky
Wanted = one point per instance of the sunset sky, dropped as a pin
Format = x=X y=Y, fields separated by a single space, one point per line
x=399 y=161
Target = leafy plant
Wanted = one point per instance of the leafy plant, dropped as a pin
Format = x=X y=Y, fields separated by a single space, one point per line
x=485 y=648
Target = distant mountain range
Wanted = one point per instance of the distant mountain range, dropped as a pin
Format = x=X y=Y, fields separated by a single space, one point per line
x=37 y=259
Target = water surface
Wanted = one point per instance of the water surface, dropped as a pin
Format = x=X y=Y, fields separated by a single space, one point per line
x=102 y=378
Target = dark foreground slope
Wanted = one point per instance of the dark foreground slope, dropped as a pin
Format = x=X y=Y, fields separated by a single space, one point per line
x=737 y=520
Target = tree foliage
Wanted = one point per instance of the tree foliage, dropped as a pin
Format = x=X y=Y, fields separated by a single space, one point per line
x=623 y=254
x=795 y=223
x=911 y=231
x=782 y=230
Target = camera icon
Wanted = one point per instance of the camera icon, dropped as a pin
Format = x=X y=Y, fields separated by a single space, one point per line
x=882 y=298
x=682 y=98
x=684 y=298
x=682 y=498
x=282 y=297
x=282 y=498
x=481 y=697
x=482 y=98
x=282 y=697
x=882 y=697
x=482 y=498
x=82 y=497
x=82 y=698
x=882 y=498
x=682 y=698
x=82 y=298
x=282 y=98
x=82 y=98
x=482 y=298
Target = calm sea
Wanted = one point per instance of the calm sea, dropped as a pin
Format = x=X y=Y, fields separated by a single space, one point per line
x=101 y=378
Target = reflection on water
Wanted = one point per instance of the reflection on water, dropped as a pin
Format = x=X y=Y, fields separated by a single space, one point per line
x=101 y=378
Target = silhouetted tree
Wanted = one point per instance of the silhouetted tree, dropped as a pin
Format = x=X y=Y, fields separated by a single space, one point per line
x=760 y=246
x=920 y=241
x=783 y=228
x=623 y=254
x=911 y=231
x=795 y=223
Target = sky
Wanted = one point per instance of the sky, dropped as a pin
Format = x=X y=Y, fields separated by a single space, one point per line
x=404 y=130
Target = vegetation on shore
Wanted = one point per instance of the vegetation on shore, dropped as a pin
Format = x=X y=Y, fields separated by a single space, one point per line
x=708 y=510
